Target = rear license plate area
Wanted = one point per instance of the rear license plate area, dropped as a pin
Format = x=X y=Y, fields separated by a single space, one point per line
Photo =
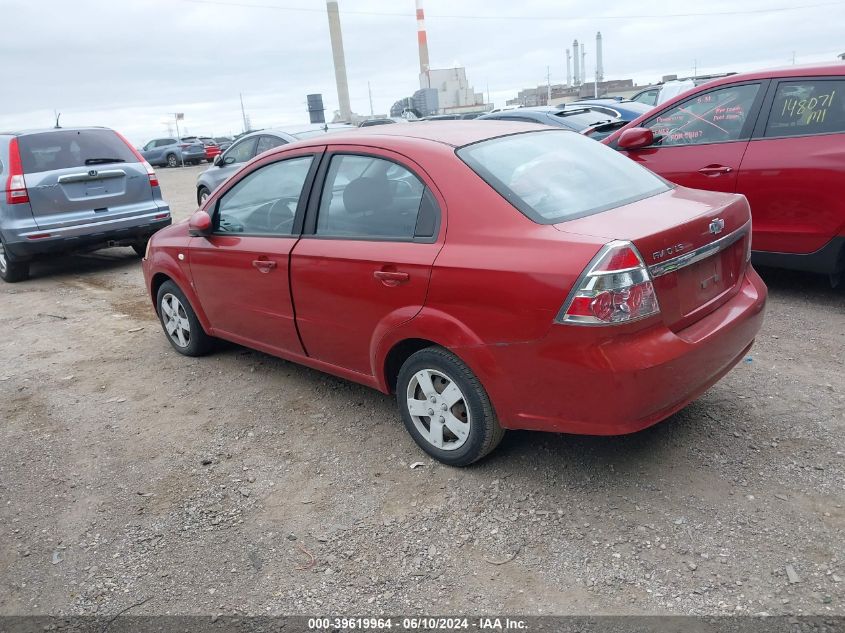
x=703 y=281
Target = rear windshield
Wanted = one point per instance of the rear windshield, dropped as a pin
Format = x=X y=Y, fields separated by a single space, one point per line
x=554 y=176
x=582 y=119
x=63 y=149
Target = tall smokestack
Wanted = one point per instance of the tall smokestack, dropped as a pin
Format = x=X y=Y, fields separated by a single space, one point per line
x=599 y=63
x=422 y=41
x=568 y=67
x=584 y=63
x=339 y=61
x=577 y=79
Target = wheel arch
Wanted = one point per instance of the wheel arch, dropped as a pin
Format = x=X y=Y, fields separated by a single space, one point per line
x=163 y=269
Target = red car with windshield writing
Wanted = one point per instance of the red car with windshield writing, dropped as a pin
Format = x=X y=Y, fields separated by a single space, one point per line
x=777 y=137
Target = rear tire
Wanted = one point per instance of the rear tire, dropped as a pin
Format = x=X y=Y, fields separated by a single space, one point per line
x=180 y=323
x=172 y=160
x=10 y=270
x=445 y=408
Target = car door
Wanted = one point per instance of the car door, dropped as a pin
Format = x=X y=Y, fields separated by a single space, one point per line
x=793 y=172
x=364 y=261
x=240 y=271
x=148 y=152
x=700 y=142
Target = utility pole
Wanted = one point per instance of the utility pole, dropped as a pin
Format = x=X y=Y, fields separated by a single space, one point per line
x=793 y=58
x=370 y=91
x=243 y=113
x=694 y=68
x=548 y=85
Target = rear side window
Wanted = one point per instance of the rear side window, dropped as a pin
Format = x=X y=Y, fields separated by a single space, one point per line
x=814 y=106
x=554 y=176
x=64 y=149
x=367 y=197
x=711 y=117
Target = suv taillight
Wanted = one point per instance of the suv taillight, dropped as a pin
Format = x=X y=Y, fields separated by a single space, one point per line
x=614 y=288
x=150 y=171
x=16 y=192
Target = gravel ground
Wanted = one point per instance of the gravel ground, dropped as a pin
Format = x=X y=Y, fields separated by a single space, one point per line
x=240 y=483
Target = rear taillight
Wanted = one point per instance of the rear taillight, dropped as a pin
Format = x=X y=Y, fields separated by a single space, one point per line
x=150 y=171
x=614 y=288
x=185 y=145
x=152 y=174
x=16 y=192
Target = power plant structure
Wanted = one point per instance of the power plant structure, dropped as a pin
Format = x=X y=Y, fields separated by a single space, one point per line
x=599 y=61
x=422 y=40
x=339 y=61
x=576 y=80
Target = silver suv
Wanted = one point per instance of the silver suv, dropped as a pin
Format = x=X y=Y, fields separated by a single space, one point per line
x=73 y=189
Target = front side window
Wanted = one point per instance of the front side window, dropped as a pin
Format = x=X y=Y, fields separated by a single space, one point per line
x=814 y=106
x=241 y=152
x=711 y=117
x=368 y=197
x=268 y=142
x=265 y=201
x=554 y=176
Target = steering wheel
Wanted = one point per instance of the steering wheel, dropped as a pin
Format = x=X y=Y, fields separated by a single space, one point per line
x=280 y=209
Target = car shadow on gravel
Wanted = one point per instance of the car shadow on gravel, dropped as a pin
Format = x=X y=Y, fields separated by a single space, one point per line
x=103 y=261
x=791 y=285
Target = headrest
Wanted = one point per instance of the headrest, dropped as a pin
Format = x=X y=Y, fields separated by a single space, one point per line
x=366 y=194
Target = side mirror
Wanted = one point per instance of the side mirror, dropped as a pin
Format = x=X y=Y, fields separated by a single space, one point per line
x=635 y=138
x=199 y=224
x=218 y=160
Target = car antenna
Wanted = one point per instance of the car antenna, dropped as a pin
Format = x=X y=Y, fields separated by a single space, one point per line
x=58 y=116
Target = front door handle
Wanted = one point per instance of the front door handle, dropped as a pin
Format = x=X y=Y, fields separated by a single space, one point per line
x=390 y=277
x=715 y=170
x=263 y=265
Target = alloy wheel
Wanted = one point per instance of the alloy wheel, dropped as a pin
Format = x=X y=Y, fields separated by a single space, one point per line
x=438 y=409
x=3 y=264
x=175 y=320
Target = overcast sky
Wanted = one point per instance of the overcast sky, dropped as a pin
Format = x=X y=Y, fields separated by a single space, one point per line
x=128 y=63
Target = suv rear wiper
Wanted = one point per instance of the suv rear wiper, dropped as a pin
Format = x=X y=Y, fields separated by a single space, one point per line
x=99 y=161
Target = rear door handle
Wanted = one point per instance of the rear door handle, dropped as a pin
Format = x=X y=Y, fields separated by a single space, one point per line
x=264 y=265
x=715 y=170
x=390 y=277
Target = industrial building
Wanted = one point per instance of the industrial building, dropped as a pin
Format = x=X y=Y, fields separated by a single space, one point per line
x=579 y=84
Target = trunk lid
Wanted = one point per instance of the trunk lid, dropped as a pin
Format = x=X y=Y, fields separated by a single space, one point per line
x=79 y=176
x=695 y=244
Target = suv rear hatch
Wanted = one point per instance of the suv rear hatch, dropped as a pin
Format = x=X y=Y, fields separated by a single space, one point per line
x=77 y=177
x=695 y=243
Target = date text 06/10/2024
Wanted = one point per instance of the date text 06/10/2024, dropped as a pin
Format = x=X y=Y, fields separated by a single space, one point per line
x=418 y=623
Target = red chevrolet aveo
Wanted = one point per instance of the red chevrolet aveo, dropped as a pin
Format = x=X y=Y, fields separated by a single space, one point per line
x=492 y=275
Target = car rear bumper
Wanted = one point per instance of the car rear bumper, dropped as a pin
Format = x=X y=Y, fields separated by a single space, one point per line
x=572 y=382
x=829 y=259
x=91 y=236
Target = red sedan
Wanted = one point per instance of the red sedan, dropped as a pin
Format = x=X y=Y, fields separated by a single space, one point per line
x=776 y=136
x=492 y=275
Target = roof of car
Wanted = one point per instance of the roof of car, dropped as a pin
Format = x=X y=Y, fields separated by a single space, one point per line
x=42 y=130
x=453 y=133
x=800 y=70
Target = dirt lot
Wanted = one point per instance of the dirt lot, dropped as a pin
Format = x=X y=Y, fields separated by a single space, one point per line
x=242 y=483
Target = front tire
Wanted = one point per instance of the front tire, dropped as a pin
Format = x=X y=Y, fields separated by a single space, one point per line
x=180 y=322
x=445 y=408
x=202 y=195
x=10 y=270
